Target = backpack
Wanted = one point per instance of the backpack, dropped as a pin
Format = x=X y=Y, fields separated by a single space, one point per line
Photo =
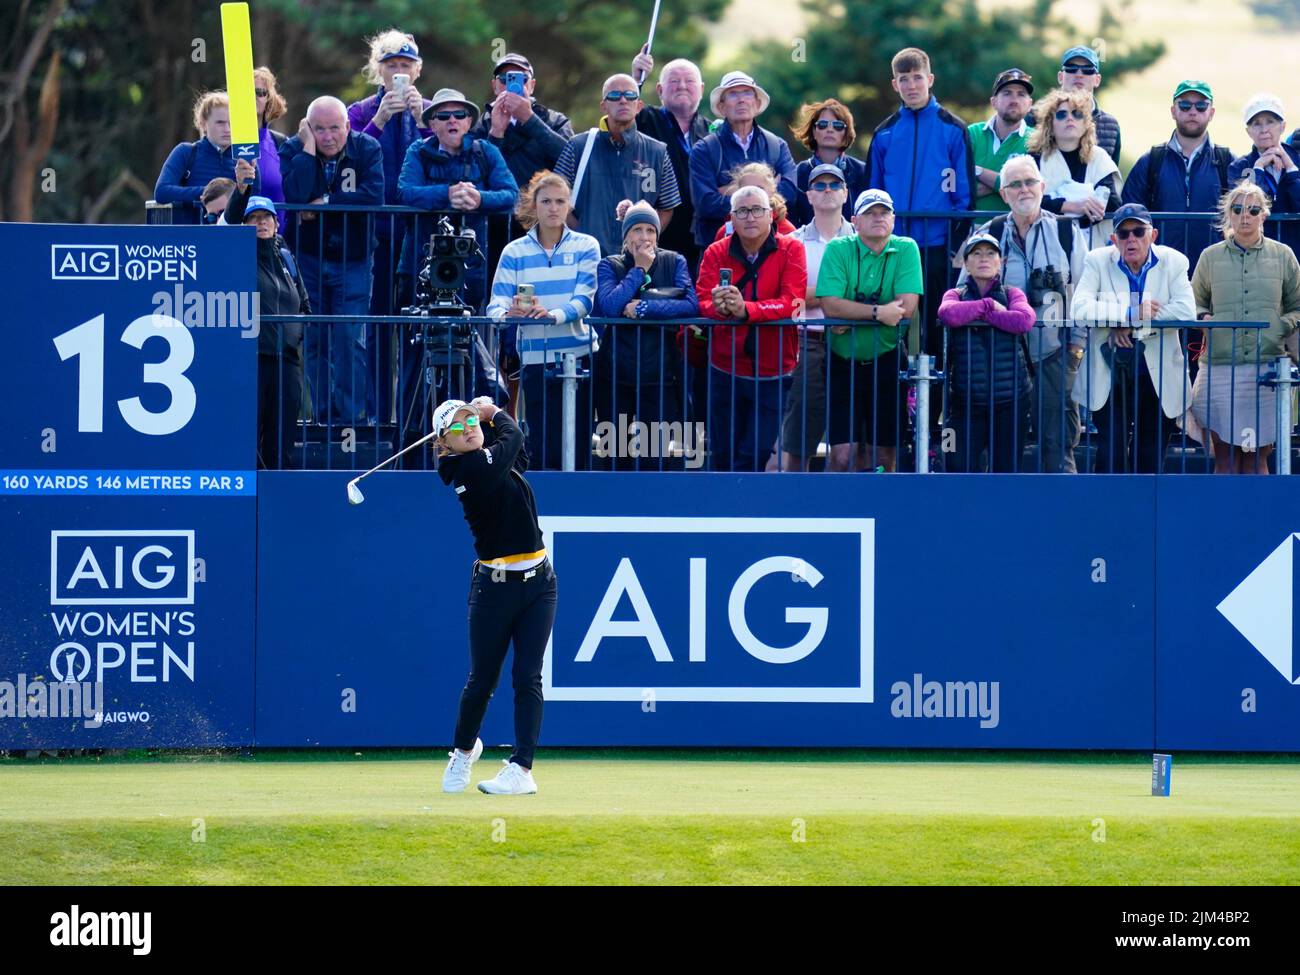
x=1156 y=161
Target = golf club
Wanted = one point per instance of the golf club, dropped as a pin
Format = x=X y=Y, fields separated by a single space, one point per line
x=354 y=493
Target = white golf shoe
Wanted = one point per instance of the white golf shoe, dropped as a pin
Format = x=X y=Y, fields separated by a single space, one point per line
x=513 y=780
x=456 y=776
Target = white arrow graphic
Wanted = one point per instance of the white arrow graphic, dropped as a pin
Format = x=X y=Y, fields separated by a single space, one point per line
x=1260 y=607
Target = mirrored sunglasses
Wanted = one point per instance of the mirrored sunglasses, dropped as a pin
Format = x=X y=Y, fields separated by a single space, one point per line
x=459 y=427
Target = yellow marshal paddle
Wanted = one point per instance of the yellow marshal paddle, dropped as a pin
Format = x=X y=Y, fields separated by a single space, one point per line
x=237 y=39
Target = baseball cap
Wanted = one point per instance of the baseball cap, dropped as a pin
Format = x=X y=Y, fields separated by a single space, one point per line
x=407 y=50
x=983 y=238
x=1200 y=87
x=1263 y=102
x=1081 y=52
x=1013 y=76
x=826 y=169
x=870 y=198
x=518 y=60
x=446 y=411
x=256 y=203
x=1131 y=211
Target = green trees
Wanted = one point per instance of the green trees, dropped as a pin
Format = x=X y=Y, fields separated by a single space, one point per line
x=93 y=93
x=845 y=52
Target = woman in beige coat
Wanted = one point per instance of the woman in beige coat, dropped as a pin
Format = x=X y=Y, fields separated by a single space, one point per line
x=1246 y=278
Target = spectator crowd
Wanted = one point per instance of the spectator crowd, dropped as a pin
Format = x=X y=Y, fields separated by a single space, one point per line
x=682 y=272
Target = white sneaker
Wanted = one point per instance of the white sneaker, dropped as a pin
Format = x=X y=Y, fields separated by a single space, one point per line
x=513 y=780
x=456 y=777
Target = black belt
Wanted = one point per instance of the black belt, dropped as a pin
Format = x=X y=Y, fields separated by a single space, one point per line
x=502 y=574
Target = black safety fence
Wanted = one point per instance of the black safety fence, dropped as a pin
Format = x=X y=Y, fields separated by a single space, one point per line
x=396 y=325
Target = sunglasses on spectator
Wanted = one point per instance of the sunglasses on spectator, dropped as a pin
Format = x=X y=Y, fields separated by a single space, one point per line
x=824 y=186
x=1064 y=113
x=1021 y=184
x=614 y=96
x=457 y=428
x=261 y=92
x=836 y=124
x=210 y=217
x=1254 y=211
x=1138 y=232
x=744 y=213
x=1186 y=106
x=448 y=116
x=1084 y=69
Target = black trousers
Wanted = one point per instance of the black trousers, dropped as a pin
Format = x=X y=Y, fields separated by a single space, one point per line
x=515 y=609
x=1133 y=432
x=1000 y=430
x=279 y=402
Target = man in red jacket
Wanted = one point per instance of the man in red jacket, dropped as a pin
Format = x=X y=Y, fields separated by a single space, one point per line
x=751 y=366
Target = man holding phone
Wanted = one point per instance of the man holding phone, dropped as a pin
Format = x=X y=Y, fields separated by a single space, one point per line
x=529 y=135
x=754 y=275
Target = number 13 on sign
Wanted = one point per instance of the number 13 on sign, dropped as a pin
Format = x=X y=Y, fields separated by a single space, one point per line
x=86 y=342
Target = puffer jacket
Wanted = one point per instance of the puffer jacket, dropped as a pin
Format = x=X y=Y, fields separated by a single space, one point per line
x=1260 y=284
x=280 y=291
x=644 y=354
x=986 y=358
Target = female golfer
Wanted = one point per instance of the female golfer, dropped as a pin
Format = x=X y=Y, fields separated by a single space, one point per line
x=512 y=588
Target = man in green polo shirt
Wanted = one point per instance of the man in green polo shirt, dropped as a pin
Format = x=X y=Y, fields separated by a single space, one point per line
x=1002 y=136
x=875 y=278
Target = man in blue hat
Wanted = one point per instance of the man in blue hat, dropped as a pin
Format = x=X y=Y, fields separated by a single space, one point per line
x=1137 y=384
x=1081 y=71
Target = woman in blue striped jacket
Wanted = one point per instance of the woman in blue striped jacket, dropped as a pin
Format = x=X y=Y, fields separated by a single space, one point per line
x=560 y=265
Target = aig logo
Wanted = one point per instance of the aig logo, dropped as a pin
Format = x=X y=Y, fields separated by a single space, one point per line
x=712 y=609
x=115 y=568
x=83 y=262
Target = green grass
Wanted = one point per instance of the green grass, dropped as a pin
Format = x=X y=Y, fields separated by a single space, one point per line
x=642 y=817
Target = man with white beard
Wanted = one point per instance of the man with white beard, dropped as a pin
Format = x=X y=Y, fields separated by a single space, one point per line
x=1043 y=257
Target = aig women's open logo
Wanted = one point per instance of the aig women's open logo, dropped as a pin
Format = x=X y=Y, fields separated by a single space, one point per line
x=712 y=609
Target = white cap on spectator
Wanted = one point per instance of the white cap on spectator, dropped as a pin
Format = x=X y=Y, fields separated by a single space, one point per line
x=737 y=79
x=1263 y=102
x=872 y=198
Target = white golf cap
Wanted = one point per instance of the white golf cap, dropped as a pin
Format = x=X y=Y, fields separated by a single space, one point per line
x=737 y=79
x=446 y=411
x=872 y=198
x=1263 y=102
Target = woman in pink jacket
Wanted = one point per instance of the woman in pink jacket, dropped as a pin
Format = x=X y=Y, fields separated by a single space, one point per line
x=988 y=370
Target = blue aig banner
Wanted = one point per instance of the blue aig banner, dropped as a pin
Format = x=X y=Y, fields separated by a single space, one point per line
x=127 y=489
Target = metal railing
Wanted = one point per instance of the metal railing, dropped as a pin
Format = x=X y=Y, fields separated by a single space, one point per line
x=366 y=376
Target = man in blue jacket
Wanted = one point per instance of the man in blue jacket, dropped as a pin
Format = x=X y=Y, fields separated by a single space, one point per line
x=922 y=157
x=1187 y=174
x=467 y=178
x=328 y=164
x=738 y=140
